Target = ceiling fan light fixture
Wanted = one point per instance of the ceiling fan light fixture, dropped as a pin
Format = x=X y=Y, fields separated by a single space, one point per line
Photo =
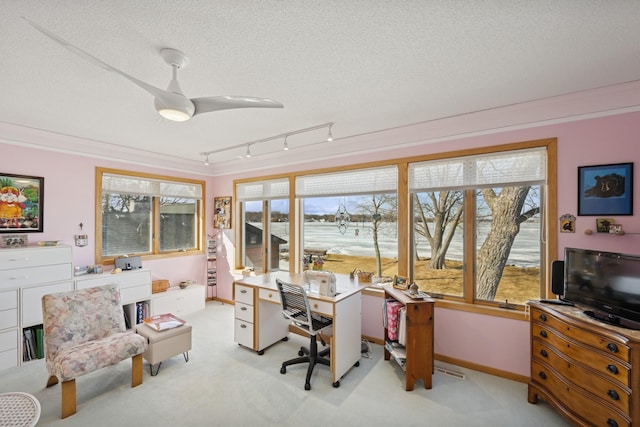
x=174 y=115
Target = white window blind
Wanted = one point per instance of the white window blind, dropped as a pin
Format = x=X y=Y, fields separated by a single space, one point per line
x=508 y=168
x=263 y=190
x=363 y=181
x=124 y=184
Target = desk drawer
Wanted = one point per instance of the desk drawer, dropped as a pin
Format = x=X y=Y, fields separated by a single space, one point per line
x=244 y=294
x=243 y=333
x=270 y=295
x=244 y=312
x=322 y=307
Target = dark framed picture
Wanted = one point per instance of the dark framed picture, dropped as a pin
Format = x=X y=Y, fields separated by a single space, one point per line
x=222 y=212
x=605 y=189
x=21 y=203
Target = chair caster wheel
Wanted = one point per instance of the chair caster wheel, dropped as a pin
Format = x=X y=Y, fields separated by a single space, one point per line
x=357 y=364
x=300 y=353
x=307 y=386
x=336 y=384
x=283 y=370
x=285 y=339
x=260 y=353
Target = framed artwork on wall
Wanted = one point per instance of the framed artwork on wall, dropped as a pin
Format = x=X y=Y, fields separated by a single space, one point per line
x=605 y=189
x=21 y=203
x=222 y=212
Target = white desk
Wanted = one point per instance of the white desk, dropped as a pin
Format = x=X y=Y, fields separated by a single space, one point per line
x=259 y=321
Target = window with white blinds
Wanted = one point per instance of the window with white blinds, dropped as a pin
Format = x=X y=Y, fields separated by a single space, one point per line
x=378 y=180
x=125 y=184
x=500 y=169
x=263 y=190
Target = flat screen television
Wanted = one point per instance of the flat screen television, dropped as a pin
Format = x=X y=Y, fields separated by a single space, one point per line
x=607 y=284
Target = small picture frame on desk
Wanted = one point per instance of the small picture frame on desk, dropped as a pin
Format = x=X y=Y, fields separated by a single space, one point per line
x=401 y=282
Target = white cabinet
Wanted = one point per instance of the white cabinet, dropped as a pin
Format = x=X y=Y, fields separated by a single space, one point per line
x=26 y=274
x=135 y=291
x=179 y=301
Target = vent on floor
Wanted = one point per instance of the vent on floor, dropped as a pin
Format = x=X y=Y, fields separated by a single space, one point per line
x=449 y=372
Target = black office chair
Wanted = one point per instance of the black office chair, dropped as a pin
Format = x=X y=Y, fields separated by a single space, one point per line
x=295 y=306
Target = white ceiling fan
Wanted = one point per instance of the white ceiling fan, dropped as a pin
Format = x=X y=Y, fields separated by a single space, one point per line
x=172 y=104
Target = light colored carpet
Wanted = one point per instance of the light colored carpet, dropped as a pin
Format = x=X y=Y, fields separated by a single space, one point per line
x=225 y=384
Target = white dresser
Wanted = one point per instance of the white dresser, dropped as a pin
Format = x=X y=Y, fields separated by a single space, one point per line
x=135 y=291
x=26 y=274
x=179 y=301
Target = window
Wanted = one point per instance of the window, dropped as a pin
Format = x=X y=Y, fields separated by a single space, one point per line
x=477 y=225
x=264 y=207
x=350 y=220
x=147 y=215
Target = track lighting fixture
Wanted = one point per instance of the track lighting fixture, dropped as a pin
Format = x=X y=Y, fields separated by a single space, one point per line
x=271 y=138
x=206 y=161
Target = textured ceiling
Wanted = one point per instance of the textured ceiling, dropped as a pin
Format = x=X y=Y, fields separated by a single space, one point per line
x=365 y=65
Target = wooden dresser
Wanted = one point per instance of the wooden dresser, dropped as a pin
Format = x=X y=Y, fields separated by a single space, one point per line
x=586 y=369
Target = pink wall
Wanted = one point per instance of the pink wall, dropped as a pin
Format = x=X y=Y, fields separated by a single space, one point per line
x=69 y=195
x=498 y=343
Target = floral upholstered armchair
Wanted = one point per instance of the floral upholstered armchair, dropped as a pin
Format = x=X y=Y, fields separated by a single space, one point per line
x=84 y=330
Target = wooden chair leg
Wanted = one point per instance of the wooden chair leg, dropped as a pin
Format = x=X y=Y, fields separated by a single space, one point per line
x=136 y=370
x=53 y=380
x=68 y=398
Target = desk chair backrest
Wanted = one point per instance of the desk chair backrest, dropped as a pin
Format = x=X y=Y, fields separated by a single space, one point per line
x=295 y=306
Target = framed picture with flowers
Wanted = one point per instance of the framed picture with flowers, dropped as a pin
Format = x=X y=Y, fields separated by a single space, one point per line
x=21 y=203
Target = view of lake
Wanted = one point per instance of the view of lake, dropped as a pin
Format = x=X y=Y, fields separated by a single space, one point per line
x=326 y=236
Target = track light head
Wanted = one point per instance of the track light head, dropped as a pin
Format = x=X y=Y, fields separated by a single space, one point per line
x=206 y=161
x=248 y=151
x=330 y=135
x=286 y=144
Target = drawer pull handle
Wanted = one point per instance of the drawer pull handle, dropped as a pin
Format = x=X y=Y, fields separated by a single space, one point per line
x=543 y=334
x=270 y=295
x=543 y=352
x=612 y=347
x=243 y=291
x=612 y=368
x=315 y=305
x=543 y=317
x=243 y=308
x=243 y=326
x=542 y=375
x=612 y=423
x=613 y=394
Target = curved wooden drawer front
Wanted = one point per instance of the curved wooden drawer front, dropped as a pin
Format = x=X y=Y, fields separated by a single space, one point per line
x=602 y=362
x=591 y=409
x=614 y=347
x=609 y=391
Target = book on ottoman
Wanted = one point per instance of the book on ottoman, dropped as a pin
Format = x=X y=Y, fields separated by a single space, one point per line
x=162 y=322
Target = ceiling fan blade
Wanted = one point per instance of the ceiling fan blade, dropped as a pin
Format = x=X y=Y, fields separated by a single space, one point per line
x=217 y=103
x=157 y=92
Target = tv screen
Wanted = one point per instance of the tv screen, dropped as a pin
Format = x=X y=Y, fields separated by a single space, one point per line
x=606 y=281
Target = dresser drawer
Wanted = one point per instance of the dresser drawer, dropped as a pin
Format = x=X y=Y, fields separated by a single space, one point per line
x=320 y=306
x=243 y=333
x=593 y=382
x=19 y=277
x=244 y=294
x=33 y=257
x=616 y=348
x=8 y=359
x=8 y=300
x=270 y=295
x=581 y=353
x=244 y=312
x=9 y=341
x=126 y=279
x=32 y=301
x=576 y=400
x=135 y=293
x=8 y=318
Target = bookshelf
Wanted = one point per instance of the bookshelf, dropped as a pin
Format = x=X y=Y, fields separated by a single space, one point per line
x=212 y=266
x=414 y=353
